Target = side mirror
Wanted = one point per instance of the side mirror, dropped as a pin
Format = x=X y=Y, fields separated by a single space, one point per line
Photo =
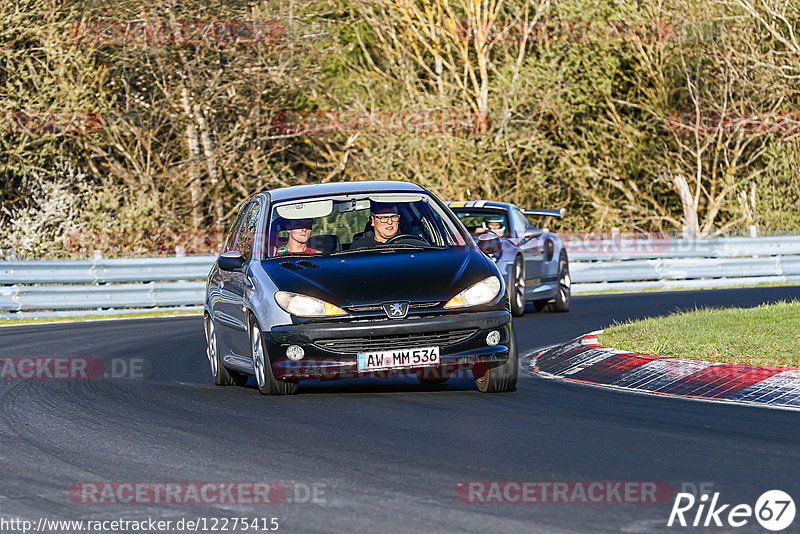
x=231 y=261
x=489 y=244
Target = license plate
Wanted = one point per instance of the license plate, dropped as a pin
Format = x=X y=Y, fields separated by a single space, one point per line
x=398 y=358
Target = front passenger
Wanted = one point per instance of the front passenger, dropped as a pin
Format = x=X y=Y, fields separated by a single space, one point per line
x=299 y=233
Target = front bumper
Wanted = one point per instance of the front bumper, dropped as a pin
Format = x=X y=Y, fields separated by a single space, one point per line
x=331 y=349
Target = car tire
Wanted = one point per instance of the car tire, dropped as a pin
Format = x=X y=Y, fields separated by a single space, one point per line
x=563 y=296
x=222 y=376
x=503 y=378
x=265 y=380
x=516 y=288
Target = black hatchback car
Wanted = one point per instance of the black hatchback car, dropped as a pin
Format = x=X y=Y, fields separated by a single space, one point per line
x=356 y=279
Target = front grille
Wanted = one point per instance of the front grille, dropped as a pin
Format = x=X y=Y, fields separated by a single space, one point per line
x=368 y=344
x=379 y=308
x=362 y=309
x=421 y=305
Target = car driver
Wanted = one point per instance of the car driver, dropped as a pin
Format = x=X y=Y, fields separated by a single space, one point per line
x=495 y=226
x=299 y=232
x=385 y=221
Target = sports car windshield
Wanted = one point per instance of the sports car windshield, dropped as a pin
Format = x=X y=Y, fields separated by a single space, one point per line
x=343 y=224
x=484 y=220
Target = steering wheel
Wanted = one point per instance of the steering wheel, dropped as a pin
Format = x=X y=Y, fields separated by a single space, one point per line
x=411 y=237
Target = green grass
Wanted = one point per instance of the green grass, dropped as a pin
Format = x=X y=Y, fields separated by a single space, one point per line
x=43 y=320
x=765 y=335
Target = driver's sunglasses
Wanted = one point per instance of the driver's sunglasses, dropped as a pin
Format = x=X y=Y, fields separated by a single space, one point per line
x=383 y=219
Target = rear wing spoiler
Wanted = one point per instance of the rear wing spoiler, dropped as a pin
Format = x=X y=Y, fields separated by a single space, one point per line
x=545 y=213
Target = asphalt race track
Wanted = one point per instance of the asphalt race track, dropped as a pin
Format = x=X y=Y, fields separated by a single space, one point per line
x=383 y=455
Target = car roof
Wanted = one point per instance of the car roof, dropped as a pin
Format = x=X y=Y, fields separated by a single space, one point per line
x=339 y=188
x=480 y=204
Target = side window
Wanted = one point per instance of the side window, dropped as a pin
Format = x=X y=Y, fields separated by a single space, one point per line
x=247 y=233
x=230 y=238
x=520 y=222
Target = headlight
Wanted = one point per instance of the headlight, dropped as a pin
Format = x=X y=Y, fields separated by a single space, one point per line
x=304 y=306
x=477 y=294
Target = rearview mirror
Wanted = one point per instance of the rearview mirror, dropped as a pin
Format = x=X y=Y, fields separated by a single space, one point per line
x=231 y=261
x=353 y=205
x=489 y=244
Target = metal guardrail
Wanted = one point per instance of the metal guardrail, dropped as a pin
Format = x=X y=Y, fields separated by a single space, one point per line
x=683 y=269
x=21 y=298
x=626 y=248
x=105 y=270
x=73 y=287
x=628 y=264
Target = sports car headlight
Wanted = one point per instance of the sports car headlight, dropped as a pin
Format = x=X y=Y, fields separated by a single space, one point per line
x=305 y=306
x=477 y=294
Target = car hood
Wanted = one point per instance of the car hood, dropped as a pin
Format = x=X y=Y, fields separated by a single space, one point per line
x=373 y=278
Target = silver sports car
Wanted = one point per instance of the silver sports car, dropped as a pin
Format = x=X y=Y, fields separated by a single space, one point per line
x=533 y=261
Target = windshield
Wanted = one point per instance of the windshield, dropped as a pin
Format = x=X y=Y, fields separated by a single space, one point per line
x=482 y=221
x=341 y=224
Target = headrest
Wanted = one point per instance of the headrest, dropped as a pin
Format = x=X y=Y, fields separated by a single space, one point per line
x=325 y=243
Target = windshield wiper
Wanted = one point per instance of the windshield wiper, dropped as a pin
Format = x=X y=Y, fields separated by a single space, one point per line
x=352 y=250
x=293 y=255
x=377 y=249
x=382 y=248
x=407 y=245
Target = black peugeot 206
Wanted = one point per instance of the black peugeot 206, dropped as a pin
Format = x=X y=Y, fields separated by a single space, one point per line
x=356 y=279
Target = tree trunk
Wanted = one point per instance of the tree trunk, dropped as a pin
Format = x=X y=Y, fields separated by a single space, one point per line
x=195 y=189
x=689 y=206
x=211 y=166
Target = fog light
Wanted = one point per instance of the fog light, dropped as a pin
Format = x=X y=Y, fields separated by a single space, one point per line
x=295 y=353
x=493 y=338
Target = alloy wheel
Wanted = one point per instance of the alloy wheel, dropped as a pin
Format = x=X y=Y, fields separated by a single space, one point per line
x=519 y=284
x=257 y=350
x=564 y=283
x=211 y=350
